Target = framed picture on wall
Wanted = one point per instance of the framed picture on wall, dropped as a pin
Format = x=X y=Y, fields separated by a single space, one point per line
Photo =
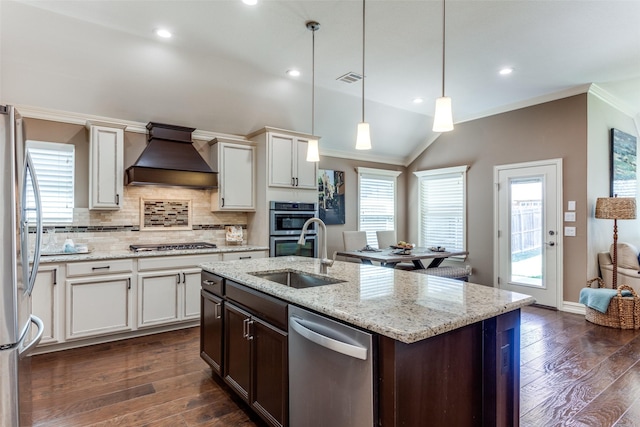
x=331 y=196
x=623 y=164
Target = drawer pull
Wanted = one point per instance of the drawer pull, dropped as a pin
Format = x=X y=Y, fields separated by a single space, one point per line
x=209 y=282
x=245 y=257
x=106 y=267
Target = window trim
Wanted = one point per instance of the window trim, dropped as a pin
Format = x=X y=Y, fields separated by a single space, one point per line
x=462 y=170
x=386 y=173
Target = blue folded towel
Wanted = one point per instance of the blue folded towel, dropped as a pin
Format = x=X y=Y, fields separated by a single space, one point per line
x=599 y=299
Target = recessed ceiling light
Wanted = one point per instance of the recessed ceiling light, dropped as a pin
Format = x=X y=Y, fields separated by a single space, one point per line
x=165 y=34
x=293 y=73
x=506 y=71
x=418 y=100
x=250 y=2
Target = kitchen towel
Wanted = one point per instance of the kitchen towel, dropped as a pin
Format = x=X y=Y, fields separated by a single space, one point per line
x=599 y=299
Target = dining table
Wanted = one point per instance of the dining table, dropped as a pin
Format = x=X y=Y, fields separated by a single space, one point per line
x=390 y=257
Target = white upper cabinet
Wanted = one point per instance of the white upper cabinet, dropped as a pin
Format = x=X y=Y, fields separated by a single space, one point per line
x=106 y=169
x=287 y=162
x=235 y=165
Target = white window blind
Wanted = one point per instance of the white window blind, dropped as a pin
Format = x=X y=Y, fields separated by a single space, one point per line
x=443 y=208
x=54 y=167
x=377 y=202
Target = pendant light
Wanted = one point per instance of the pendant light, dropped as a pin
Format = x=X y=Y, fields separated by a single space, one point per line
x=443 y=118
x=312 y=147
x=363 y=136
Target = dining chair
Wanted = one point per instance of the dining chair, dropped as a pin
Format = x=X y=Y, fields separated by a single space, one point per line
x=386 y=238
x=354 y=240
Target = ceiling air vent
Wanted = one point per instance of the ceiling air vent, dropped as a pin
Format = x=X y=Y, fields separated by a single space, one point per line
x=350 y=77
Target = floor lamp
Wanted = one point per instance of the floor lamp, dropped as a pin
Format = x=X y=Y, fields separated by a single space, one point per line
x=615 y=208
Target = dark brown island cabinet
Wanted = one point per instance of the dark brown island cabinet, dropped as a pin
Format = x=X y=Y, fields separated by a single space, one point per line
x=469 y=376
x=244 y=340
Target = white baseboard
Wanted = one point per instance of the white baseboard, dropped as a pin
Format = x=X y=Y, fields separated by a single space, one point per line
x=572 y=307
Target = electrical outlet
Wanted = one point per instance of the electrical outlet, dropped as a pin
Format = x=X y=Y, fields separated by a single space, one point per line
x=505 y=358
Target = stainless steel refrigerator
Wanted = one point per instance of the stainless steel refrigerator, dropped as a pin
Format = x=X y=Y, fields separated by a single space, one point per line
x=19 y=203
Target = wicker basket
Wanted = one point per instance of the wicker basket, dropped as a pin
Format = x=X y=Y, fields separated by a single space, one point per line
x=622 y=313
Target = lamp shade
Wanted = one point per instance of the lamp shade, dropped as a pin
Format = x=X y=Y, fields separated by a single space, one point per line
x=443 y=119
x=312 y=151
x=616 y=208
x=363 y=137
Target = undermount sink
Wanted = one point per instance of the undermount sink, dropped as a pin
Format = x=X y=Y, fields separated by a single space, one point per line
x=295 y=279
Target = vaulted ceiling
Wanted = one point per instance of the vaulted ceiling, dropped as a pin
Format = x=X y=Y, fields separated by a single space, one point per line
x=224 y=68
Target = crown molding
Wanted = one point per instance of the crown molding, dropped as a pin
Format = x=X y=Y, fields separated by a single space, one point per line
x=420 y=149
x=572 y=91
x=128 y=125
x=614 y=101
x=364 y=156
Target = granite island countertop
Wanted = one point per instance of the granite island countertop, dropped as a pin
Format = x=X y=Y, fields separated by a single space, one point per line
x=121 y=254
x=399 y=304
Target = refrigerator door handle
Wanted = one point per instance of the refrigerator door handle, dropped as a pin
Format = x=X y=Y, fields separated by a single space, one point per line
x=24 y=351
x=30 y=276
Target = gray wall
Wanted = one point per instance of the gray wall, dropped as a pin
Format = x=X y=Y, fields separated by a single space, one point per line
x=602 y=117
x=334 y=232
x=555 y=129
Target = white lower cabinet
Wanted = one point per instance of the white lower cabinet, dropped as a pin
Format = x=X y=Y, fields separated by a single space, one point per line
x=168 y=296
x=98 y=305
x=169 y=289
x=87 y=302
x=44 y=303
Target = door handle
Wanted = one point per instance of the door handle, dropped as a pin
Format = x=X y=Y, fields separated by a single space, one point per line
x=25 y=349
x=347 y=349
x=245 y=329
x=550 y=243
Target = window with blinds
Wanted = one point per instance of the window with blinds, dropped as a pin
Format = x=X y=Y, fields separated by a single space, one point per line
x=442 y=202
x=377 y=202
x=54 y=167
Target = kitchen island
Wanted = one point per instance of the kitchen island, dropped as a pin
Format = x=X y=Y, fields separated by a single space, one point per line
x=445 y=352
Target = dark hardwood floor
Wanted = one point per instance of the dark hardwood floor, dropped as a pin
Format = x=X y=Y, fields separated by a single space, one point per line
x=573 y=374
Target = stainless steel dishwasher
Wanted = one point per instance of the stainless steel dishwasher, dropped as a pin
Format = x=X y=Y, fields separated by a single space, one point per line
x=330 y=372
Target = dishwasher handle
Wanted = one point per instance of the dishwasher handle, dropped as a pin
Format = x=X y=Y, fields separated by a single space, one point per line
x=327 y=342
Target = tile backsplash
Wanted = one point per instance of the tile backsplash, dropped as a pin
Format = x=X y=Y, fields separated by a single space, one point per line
x=116 y=230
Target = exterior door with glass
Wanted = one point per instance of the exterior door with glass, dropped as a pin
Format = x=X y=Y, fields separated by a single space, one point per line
x=528 y=216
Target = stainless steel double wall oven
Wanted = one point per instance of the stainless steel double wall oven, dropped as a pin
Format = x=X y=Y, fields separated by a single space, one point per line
x=285 y=225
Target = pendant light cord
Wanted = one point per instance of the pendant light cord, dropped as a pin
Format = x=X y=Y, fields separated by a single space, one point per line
x=443 y=41
x=313 y=80
x=363 y=33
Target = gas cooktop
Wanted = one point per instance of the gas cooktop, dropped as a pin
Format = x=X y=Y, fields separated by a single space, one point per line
x=172 y=246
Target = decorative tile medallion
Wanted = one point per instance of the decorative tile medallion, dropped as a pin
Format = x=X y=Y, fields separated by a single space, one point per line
x=165 y=214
